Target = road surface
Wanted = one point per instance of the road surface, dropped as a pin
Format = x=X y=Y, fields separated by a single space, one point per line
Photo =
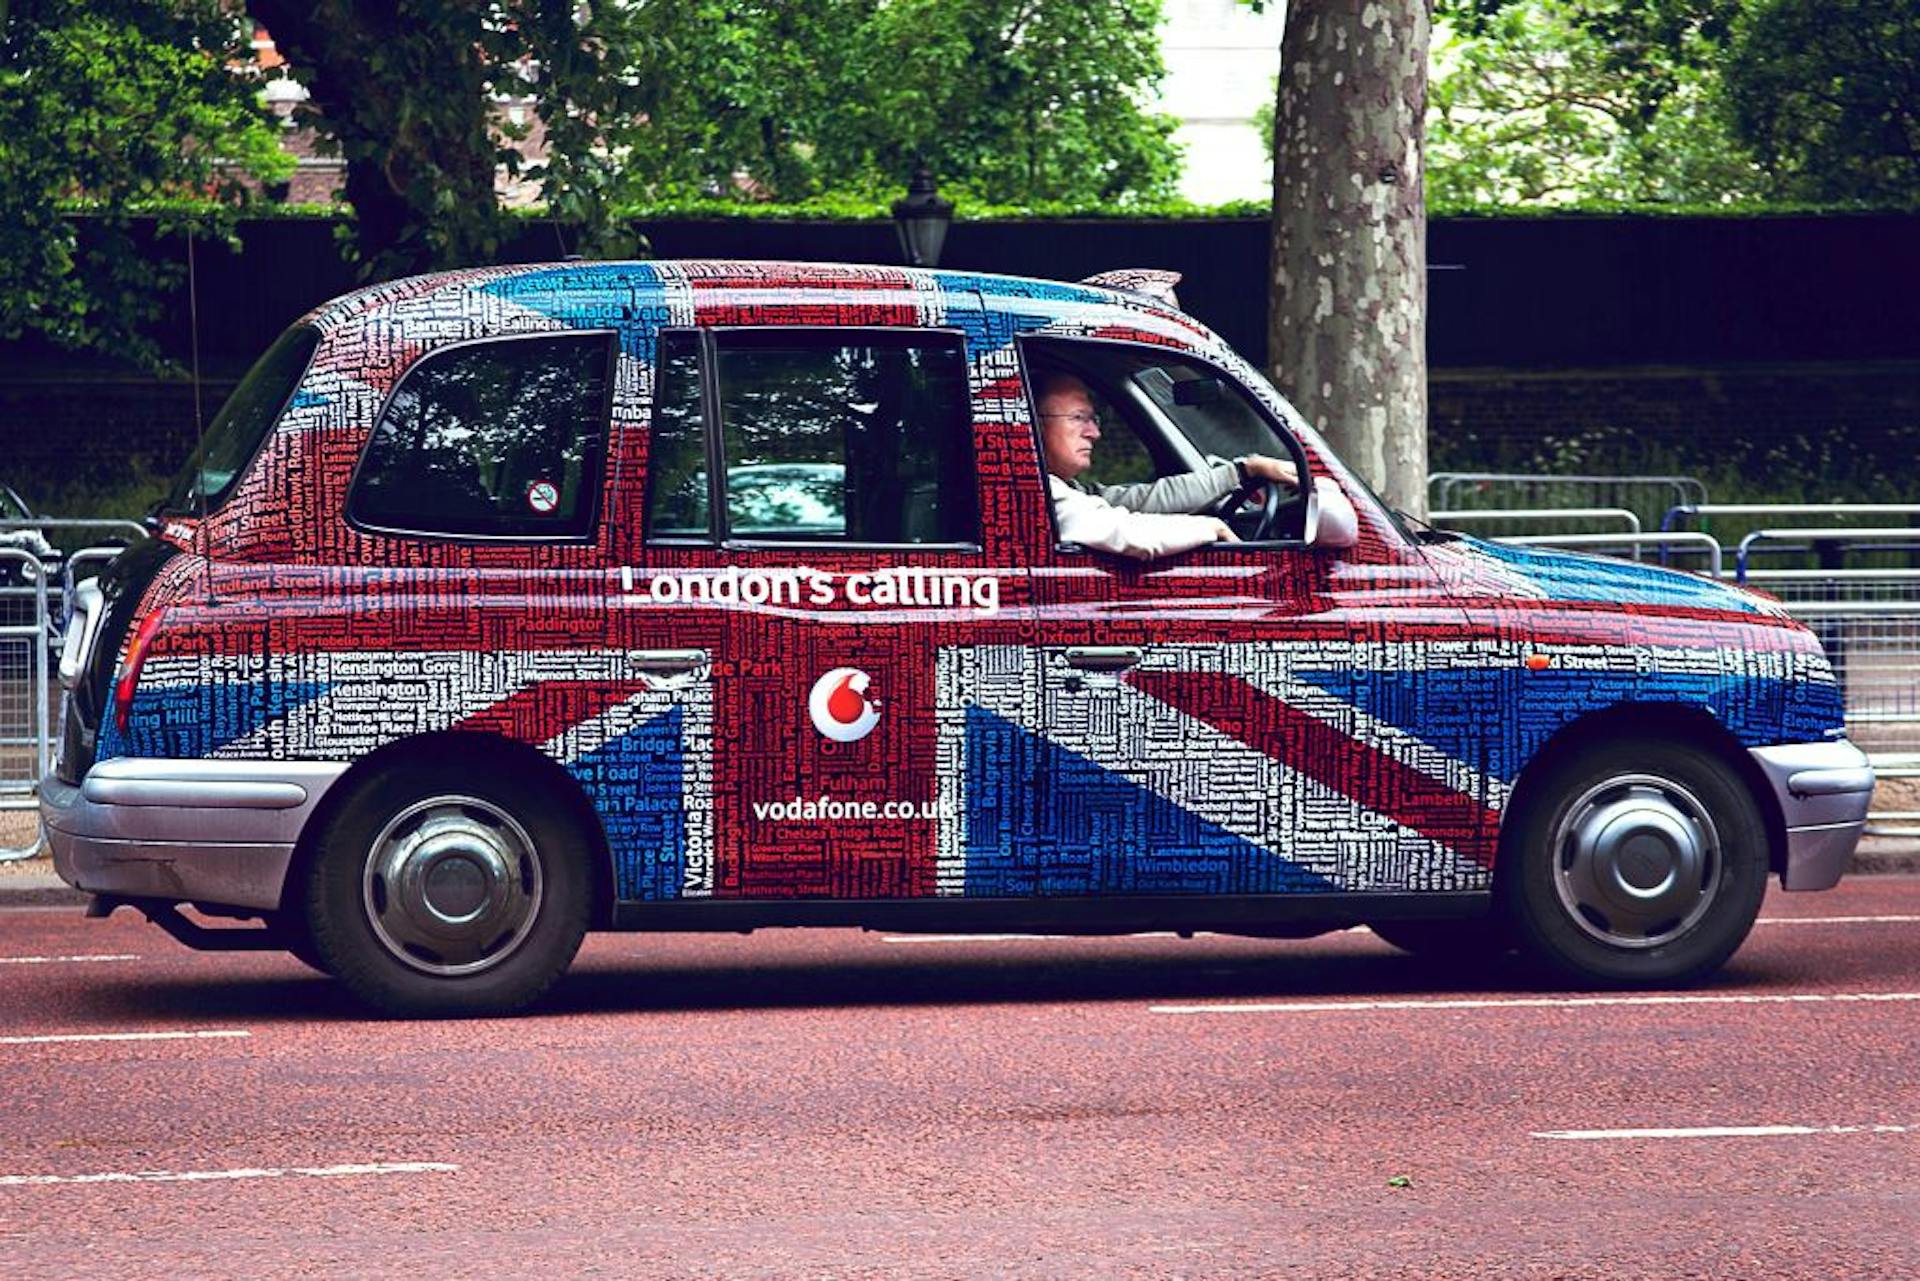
x=837 y=1104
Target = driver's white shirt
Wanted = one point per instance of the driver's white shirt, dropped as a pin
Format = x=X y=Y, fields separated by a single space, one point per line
x=1149 y=520
x=1092 y=521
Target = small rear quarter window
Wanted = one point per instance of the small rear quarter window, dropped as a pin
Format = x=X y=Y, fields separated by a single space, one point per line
x=500 y=439
x=234 y=436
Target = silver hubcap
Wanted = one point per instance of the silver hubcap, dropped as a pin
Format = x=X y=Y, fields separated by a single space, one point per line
x=1636 y=860
x=453 y=885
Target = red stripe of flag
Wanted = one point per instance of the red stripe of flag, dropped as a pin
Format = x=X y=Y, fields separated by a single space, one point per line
x=1311 y=747
x=544 y=709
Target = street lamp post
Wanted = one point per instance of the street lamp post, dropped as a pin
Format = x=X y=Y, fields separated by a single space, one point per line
x=921 y=218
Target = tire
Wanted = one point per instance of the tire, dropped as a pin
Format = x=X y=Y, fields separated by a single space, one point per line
x=1473 y=941
x=292 y=929
x=447 y=888
x=1637 y=863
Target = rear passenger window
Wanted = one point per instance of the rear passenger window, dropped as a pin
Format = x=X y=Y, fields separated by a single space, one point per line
x=500 y=439
x=834 y=435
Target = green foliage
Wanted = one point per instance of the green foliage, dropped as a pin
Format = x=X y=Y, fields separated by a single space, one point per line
x=1827 y=92
x=404 y=90
x=1552 y=102
x=876 y=209
x=677 y=101
x=1691 y=102
x=140 y=481
x=117 y=105
x=1010 y=101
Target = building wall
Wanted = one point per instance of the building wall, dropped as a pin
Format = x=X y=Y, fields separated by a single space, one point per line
x=1221 y=59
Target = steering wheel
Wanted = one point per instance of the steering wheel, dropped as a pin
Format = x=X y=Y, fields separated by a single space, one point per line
x=1269 y=513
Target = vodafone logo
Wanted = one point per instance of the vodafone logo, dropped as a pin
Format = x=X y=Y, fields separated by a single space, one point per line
x=841 y=706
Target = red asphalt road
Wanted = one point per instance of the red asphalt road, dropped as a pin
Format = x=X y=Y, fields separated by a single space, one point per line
x=828 y=1103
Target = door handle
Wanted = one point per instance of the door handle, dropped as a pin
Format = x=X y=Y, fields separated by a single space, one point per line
x=669 y=662
x=1104 y=658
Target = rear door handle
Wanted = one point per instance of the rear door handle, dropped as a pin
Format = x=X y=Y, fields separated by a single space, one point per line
x=1104 y=658
x=669 y=662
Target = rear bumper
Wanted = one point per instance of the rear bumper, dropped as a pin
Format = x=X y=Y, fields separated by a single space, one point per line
x=208 y=831
x=1824 y=791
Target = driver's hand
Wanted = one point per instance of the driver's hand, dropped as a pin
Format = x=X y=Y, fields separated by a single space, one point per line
x=1272 y=469
x=1223 y=533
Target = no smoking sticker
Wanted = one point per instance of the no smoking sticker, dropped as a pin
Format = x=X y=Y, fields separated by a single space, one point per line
x=543 y=496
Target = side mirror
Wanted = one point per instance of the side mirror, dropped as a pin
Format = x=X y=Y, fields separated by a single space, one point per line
x=1310 y=532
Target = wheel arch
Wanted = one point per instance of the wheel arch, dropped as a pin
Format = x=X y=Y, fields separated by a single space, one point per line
x=1684 y=722
x=482 y=751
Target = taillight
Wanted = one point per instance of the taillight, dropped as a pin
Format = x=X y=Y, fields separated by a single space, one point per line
x=130 y=670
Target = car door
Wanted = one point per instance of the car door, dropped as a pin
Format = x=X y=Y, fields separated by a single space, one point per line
x=1243 y=719
x=814 y=508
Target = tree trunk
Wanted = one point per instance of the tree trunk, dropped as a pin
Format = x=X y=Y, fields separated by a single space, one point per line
x=403 y=92
x=1347 y=329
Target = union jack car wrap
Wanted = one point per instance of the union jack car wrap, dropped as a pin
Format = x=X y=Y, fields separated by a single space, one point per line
x=1282 y=722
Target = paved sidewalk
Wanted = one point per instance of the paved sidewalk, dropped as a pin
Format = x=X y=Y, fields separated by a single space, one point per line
x=1878 y=854
x=31 y=882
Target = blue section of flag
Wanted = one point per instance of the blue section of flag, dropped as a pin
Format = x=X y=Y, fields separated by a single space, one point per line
x=1004 y=318
x=1575 y=576
x=625 y=297
x=1044 y=820
x=186 y=722
x=1496 y=718
x=636 y=783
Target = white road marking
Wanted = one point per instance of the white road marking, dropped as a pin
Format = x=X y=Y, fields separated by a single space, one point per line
x=1726 y=1132
x=207 y=1176
x=62 y=1038
x=1535 y=1002
x=1838 y=920
x=66 y=960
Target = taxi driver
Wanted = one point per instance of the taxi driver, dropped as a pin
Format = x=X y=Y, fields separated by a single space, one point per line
x=1157 y=517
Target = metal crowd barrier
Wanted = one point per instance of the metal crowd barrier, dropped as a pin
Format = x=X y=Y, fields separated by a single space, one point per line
x=1684 y=511
x=1896 y=768
x=1539 y=514
x=1866 y=614
x=1685 y=540
x=1444 y=488
x=26 y=714
x=1901 y=538
x=36 y=596
x=131 y=528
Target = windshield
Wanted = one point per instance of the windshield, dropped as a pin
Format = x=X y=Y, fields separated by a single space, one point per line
x=243 y=422
x=1292 y=416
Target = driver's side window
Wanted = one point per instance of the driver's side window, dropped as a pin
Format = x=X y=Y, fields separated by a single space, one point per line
x=1161 y=413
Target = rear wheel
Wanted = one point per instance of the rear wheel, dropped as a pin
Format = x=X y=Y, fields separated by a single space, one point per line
x=1636 y=863
x=447 y=888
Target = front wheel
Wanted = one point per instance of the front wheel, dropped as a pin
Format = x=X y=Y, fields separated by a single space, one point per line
x=1635 y=863
x=448 y=889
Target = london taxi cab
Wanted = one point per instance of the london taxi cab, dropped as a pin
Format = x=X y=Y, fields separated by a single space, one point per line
x=506 y=604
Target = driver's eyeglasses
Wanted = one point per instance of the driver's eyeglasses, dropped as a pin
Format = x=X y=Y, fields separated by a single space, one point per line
x=1079 y=418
